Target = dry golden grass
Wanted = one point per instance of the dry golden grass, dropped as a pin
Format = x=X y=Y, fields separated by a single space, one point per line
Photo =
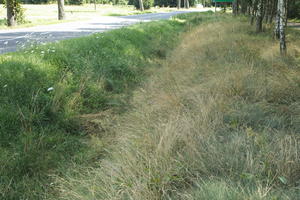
x=219 y=120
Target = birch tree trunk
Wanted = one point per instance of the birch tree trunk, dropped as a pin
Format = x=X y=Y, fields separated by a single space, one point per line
x=277 y=21
x=186 y=4
x=61 y=9
x=178 y=4
x=141 y=5
x=11 y=15
x=282 y=5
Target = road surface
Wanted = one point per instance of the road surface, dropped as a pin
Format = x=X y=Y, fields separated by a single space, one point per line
x=12 y=40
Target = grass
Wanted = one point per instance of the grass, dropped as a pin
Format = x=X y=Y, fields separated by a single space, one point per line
x=47 y=14
x=219 y=119
x=58 y=100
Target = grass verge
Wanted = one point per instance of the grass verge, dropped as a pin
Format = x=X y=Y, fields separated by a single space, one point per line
x=50 y=94
x=219 y=120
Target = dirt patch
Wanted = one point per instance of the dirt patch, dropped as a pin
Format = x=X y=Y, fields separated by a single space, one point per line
x=294 y=25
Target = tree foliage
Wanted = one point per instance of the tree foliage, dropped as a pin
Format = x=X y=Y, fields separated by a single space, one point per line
x=294 y=9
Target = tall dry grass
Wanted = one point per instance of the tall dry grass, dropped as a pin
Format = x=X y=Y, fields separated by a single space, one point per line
x=219 y=120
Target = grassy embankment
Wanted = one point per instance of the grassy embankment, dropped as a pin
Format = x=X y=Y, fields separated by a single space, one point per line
x=49 y=96
x=218 y=120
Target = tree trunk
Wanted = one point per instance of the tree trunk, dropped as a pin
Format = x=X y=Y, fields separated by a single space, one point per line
x=61 y=10
x=11 y=15
x=273 y=12
x=253 y=12
x=141 y=5
x=277 y=21
x=244 y=6
x=282 y=24
x=234 y=7
x=186 y=4
x=267 y=10
x=178 y=4
x=259 y=16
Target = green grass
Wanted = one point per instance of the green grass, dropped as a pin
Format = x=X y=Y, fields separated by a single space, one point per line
x=43 y=132
x=218 y=120
x=162 y=110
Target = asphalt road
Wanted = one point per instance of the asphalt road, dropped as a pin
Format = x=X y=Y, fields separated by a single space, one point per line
x=15 y=39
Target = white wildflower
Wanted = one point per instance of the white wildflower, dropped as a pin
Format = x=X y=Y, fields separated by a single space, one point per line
x=50 y=89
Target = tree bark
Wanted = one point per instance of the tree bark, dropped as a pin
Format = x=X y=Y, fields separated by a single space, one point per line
x=277 y=21
x=141 y=5
x=178 y=4
x=273 y=11
x=11 y=15
x=186 y=4
x=244 y=6
x=61 y=10
x=253 y=12
x=267 y=10
x=259 y=16
x=234 y=7
x=282 y=24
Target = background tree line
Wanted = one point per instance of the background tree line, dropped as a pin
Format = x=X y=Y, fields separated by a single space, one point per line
x=272 y=12
x=165 y=3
